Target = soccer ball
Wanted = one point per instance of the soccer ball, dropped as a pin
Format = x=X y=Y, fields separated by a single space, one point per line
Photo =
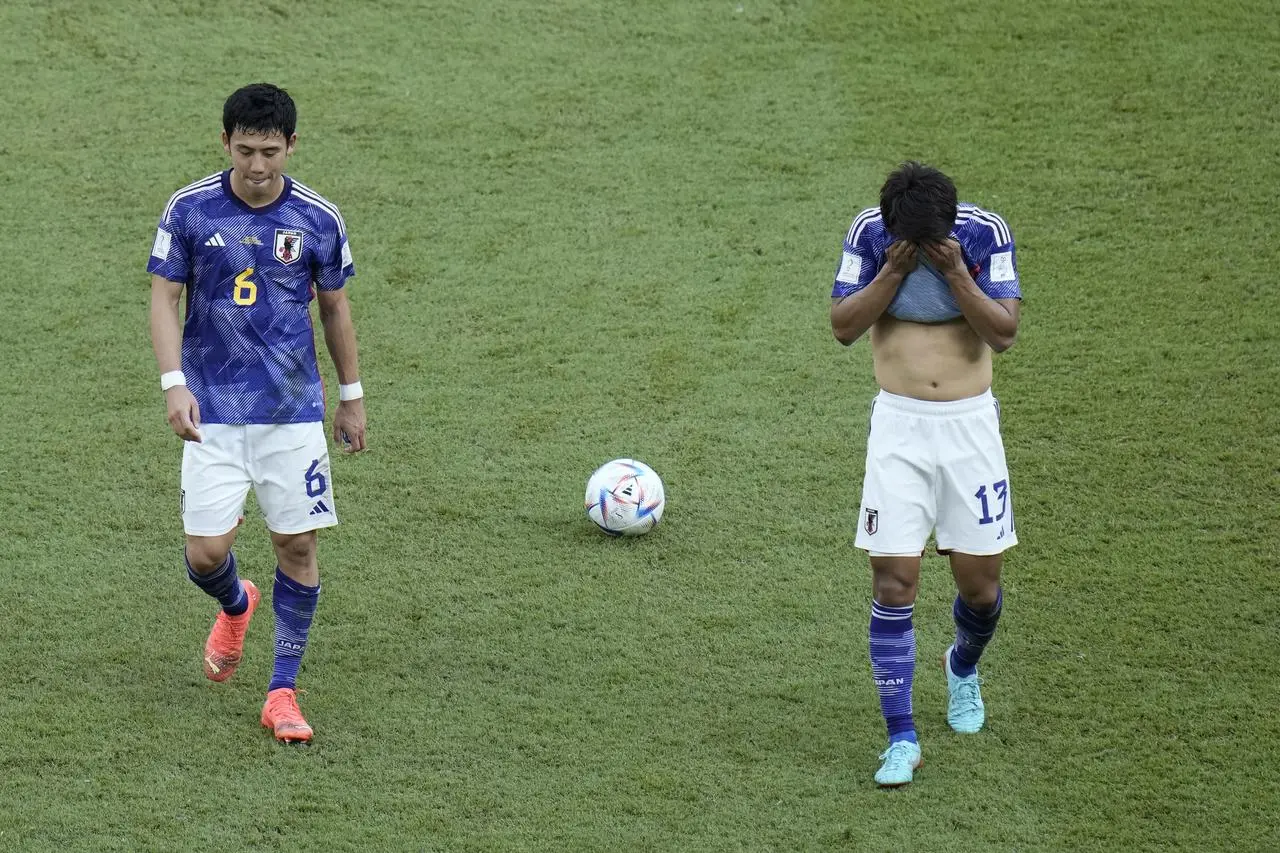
x=625 y=498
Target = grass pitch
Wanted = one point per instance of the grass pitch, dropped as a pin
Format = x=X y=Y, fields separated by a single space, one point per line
x=586 y=230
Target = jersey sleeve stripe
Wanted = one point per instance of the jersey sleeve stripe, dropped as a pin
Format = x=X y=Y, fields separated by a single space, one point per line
x=321 y=202
x=859 y=223
x=190 y=189
x=1002 y=230
x=992 y=221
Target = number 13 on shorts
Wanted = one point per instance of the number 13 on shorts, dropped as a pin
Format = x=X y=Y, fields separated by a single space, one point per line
x=1000 y=498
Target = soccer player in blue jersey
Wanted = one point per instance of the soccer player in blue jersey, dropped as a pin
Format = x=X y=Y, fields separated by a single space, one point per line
x=252 y=247
x=936 y=283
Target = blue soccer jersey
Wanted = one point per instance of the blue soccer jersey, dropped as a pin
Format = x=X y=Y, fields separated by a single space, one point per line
x=924 y=296
x=248 y=350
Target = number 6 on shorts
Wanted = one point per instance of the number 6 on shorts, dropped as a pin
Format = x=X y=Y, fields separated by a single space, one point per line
x=316 y=483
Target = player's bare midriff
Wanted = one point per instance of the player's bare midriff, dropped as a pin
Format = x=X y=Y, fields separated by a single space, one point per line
x=930 y=361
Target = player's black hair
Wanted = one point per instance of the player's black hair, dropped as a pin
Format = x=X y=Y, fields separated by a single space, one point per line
x=260 y=108
x=918 y=203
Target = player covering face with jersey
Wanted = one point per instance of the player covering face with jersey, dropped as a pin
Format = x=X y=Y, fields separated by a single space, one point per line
x=251 y=248
x=935 y=282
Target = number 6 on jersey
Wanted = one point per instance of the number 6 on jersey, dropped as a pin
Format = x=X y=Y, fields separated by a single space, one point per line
x=246 y=291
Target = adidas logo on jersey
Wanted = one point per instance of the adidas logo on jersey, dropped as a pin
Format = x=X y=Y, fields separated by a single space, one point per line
x=321 y=508
x=215 y=240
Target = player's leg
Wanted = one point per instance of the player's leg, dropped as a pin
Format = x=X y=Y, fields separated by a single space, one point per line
x=214 y=486
x=294 y=596
x=976 y=611
x=892 y=640
x=977 y=606
x=895 y=519
x=895 y=581
x=292 y=480
x=975 y=524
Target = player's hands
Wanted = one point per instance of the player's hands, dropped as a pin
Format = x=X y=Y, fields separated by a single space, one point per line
x=349 y=426
x=946 y=256
x=900 y=258
x=184 y=413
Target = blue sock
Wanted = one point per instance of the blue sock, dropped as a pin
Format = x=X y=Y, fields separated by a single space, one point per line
x=974 y=629
x=222 y=583
x=294 y=605
x=893 y=663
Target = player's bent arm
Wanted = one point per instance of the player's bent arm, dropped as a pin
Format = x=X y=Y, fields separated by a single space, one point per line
x=994 y=320
x=852 y=315
x=166 y=325
x=339 y=333
x=1014 y=309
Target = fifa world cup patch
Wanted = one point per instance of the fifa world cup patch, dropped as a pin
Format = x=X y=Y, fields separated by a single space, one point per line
x=288 y=245
x=160 y=248
x=1002 y=267
x=872 y=522
x=850 y=268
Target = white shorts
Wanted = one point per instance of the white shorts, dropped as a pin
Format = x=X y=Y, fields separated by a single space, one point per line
x=286 y=464
x=935 y=468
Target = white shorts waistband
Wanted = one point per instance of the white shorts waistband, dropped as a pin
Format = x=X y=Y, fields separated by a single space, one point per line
x=939 y=408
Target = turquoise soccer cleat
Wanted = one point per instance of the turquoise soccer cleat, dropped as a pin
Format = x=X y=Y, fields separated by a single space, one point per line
x=965 y=711
x=901 y=760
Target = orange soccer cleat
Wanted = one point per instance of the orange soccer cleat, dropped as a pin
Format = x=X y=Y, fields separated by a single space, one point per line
x=223 y=649
x=282 y=715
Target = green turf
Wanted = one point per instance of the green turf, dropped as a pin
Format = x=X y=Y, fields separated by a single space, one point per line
x=587 y=230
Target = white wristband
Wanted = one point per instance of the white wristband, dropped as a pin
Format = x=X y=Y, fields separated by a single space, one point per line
x=171 y=379
x=350 y=392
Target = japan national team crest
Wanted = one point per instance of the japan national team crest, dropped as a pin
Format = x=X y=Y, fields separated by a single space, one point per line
x=872 y=523
x=288 y=245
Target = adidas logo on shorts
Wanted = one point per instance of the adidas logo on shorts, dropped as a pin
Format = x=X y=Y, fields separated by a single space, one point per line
x=321 y=508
